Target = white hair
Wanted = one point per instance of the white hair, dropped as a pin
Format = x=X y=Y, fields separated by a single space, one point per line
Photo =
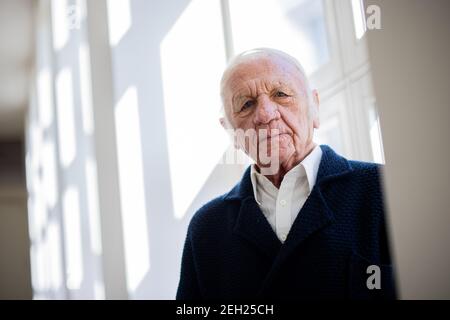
x=257 y=53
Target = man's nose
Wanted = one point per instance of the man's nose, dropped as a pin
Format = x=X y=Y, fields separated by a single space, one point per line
x=266 y=111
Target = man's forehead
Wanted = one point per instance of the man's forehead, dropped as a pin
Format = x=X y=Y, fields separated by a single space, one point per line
x=259 y=64
x=273 y=68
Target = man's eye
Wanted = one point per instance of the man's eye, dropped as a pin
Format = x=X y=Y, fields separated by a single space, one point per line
x=281 y=94
x=247 y=105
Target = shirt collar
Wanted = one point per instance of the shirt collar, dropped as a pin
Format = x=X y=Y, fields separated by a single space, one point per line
x=309 y=165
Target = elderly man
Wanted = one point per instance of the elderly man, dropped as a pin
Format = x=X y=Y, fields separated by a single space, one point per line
x=313 y=228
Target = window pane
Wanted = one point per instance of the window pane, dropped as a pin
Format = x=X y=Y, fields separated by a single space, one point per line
x=330 y=133
x=294 y=26
x=358 y=18
x=375 y=136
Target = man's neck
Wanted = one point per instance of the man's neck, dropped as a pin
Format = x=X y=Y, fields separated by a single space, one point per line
x=286 y=166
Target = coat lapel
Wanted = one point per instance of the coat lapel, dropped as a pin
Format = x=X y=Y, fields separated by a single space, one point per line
x=252 y=226
x=314 y=216
x=315 y=213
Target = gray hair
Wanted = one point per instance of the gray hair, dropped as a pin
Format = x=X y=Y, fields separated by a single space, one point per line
x=255 y=54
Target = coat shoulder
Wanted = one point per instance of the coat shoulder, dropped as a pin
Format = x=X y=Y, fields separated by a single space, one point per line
x=208 y=216
x=365 y=166
x=367 y=178
x=369 y=170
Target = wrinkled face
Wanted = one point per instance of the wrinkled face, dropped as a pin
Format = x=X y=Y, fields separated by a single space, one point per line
x=270 y=93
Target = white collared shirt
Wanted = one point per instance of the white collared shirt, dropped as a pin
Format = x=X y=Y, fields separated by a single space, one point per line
x=281 y=206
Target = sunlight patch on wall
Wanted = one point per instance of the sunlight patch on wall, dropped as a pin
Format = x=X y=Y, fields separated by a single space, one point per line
x=73 y=239
x=192 y=61
x=132 y=189
x=38 y=211
x=92 y=199
x=119 y=20
x=49 y=174
x=60 y=23
x=99 y=290
x=36 y=275
x=39 y=269
x=45 y=99
x=54 y=256
x=85 y=89
x=66 y=120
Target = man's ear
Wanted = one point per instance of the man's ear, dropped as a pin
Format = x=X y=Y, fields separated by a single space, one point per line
x=316 y=98
x=226 y=125
x=316 y=102
x=223 y=122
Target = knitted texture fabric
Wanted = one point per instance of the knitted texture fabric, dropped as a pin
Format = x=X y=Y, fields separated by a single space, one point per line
x=231 y=251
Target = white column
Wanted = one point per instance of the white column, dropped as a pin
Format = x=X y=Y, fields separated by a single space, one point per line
x=105 y=152
x=410 y=60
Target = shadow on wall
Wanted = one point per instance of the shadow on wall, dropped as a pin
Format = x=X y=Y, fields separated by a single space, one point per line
x=137 y=65
x=15 y=277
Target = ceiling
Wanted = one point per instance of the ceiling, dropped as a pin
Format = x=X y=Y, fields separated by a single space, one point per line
x=16 y=47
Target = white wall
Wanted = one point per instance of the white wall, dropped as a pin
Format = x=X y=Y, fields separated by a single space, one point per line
x=106 y=141
x=161 y=61
x=61 y=165
x=410 y=59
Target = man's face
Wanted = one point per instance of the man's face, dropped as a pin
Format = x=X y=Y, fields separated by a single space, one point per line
x=270 y=93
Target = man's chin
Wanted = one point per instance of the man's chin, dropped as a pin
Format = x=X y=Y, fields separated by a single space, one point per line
x=281 y=153
x=271 y=165
x=269 y=169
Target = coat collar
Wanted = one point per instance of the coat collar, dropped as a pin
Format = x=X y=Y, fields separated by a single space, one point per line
x=331 y=166
x=315 y=214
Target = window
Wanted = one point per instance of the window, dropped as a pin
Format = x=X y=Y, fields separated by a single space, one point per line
x=359 y=18
x=297 y=27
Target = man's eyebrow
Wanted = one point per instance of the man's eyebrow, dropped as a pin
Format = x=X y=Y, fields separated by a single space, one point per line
x=284 y=86
x=239 y=97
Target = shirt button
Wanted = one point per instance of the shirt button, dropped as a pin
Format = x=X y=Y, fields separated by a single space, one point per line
x=283 y=237
x=283 y=202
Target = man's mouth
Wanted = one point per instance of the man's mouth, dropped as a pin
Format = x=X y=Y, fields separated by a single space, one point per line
x=271 y=136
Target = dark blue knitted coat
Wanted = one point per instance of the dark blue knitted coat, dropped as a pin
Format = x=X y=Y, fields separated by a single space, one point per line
x=231 y=251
